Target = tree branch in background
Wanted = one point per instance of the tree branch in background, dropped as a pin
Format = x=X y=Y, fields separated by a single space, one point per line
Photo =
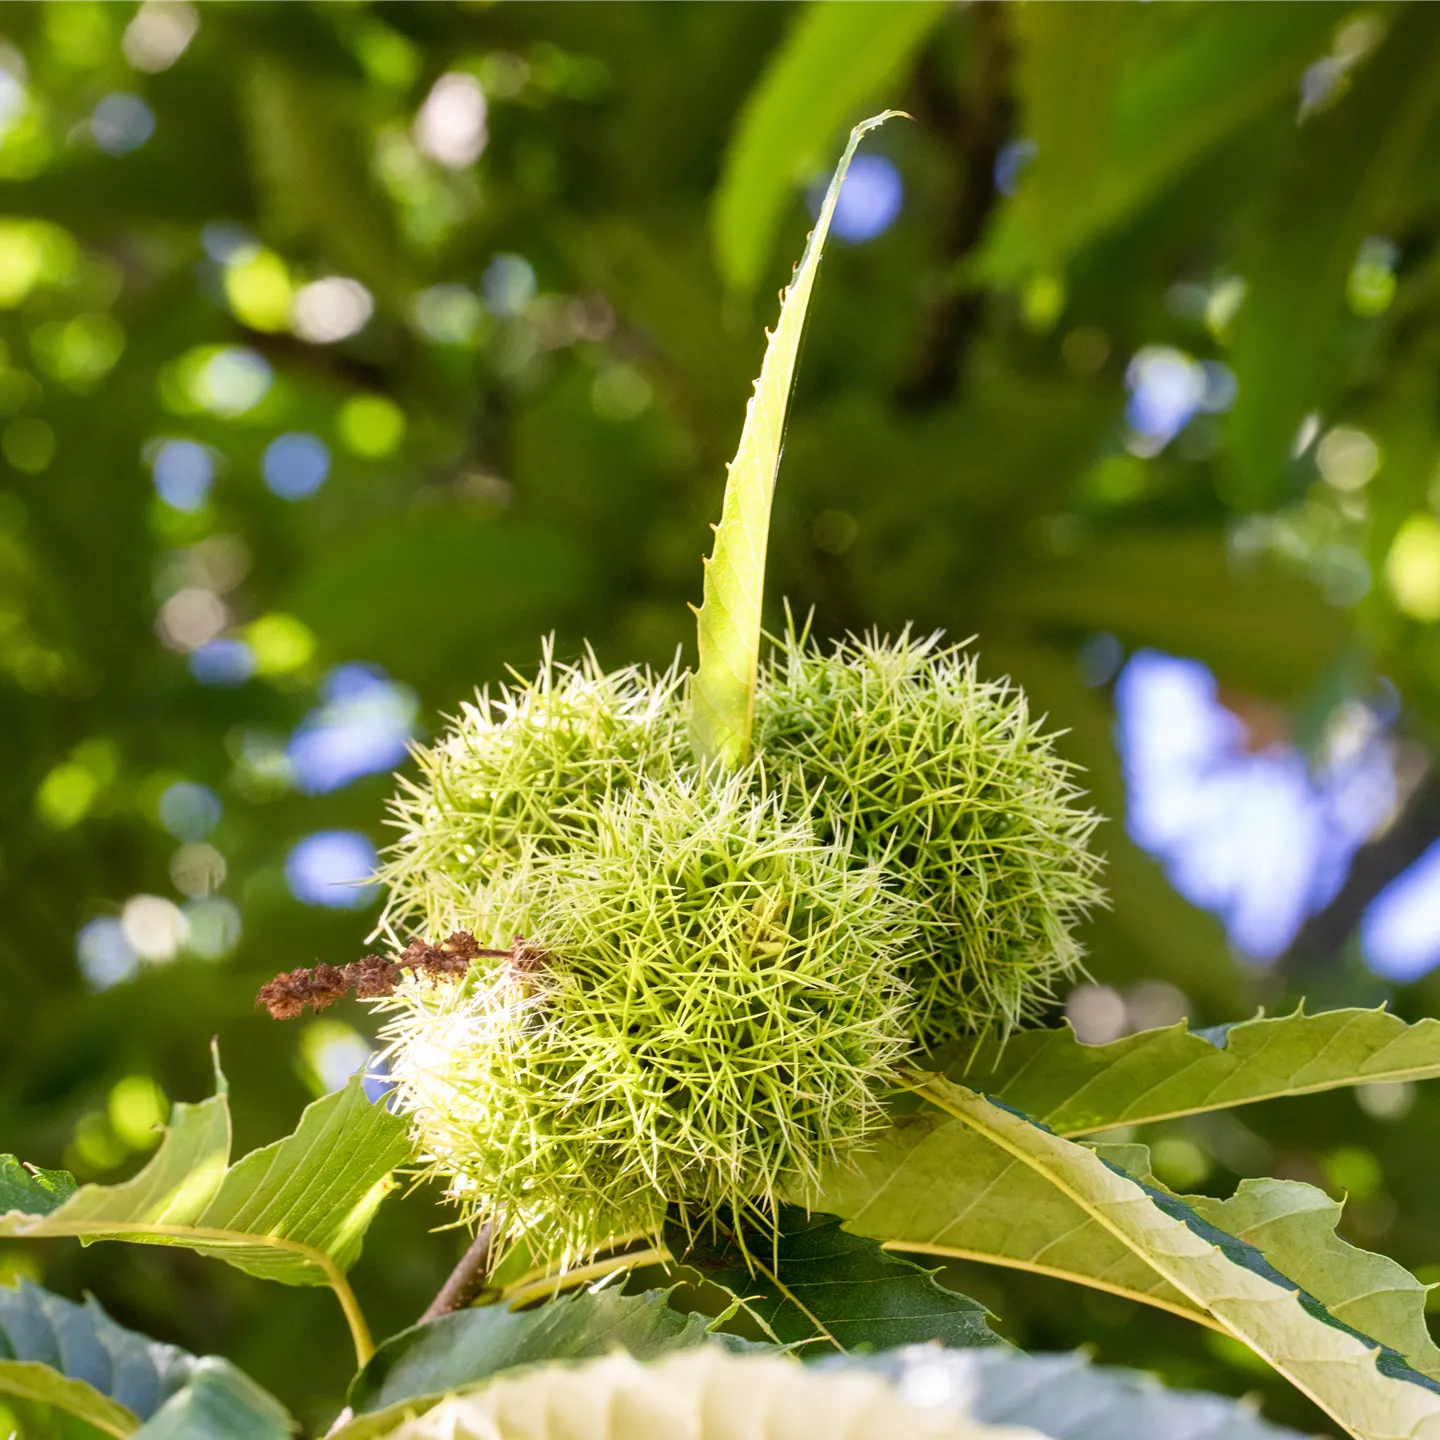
x=972 y=125
x=1376 y=864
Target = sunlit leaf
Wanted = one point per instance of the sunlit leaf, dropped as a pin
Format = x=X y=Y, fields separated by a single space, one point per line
x=723 y=694
x=294 y=1211
x=1077 y=1089
x=1293 y=1226
x=925 y=1187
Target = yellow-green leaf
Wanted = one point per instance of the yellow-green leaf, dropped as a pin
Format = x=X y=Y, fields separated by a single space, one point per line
x=723 y=694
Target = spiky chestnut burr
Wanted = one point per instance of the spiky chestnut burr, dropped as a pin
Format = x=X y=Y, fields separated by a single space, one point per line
x=905 y=755
x=715 y=1012
x=520 y=773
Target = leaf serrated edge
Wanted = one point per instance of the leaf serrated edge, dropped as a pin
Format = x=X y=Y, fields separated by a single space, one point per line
x=722 y=697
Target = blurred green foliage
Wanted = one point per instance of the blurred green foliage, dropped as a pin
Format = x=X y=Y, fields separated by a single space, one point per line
x=560 y=229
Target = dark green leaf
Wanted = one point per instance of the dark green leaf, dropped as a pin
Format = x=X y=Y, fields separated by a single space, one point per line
x=1187 y=82
x=219 y=1403
x=472 y=1345
x=31 y=1189
x=1066 y=70
x=1350 y=174
x=818 y=1283
x=1179 y=591
x=77 y=1359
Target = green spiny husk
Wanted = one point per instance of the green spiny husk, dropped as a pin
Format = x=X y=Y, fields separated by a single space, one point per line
x=716 y=1014
x=908 y=758
x=521 y=774
x=730 y=969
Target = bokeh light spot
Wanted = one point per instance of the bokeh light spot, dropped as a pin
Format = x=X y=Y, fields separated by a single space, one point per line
x=223 y=663
x=154 y=927
x=183 y=472
x=280 y=643
x=138 y=1109
x=333 y=868
x=121 y=122
x=869 y=200
x=1412 y=568
x=450 y=125
x=189 y=811
x=364 y=726
x=508 y=285
x=1400 y=931
x=228 y=381
x=295 y=465
x=448 y=314
x=214 y=927
x=329 y=1054
x=258 y=288
x=1347 y=458
x=158 y=34
x=371 y=426
x=330 y=310
x=106 y=957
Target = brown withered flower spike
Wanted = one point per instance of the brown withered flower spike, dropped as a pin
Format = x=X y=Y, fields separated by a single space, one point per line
x=287 y=995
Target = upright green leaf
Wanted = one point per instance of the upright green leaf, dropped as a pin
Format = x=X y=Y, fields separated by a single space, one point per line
x=816 y=1285
x=219 y=1403
x=1062 y=1396
x=1366 y=1387
x=1078 y=1089
x=470 y=1346
x=838 y=55
x=309 y=162
x=1184 y=84
x=294 y=1211
x=723 y=694
x=1067 y=63
x=1353 y=163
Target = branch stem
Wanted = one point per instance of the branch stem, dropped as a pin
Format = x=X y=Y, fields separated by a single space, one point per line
x=466 y=1280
